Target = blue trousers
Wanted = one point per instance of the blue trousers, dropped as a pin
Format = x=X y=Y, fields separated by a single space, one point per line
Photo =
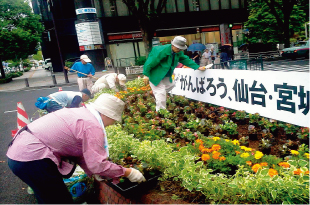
x=44 y=179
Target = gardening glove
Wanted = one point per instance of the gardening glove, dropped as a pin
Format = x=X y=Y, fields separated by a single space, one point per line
x=136 y=176
x=145 y=80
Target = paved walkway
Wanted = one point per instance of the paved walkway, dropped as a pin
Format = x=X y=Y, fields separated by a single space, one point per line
x=40 y=78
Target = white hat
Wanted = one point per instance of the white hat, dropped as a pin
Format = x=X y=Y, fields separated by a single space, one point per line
x=122 y=79
x=85 y=58
x=109 y=106
x=179 y=42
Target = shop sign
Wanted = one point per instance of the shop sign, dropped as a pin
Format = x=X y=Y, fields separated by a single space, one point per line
x=91 y=47
x=225 y=34
x=85 y=11
x=282 y=96
x=209 y=29
x=88 y=34
x=125 y=36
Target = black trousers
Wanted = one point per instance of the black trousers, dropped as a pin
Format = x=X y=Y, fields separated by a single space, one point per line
x=44 y=179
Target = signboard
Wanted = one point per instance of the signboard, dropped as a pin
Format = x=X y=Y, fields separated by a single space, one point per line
x=85 y=11
x=125 y=36
x=225 y=34
x=282 y=96
x=89 y=36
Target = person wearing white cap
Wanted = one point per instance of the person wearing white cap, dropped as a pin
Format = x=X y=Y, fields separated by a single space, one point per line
x=39 y=153
x=160 y=65
x=110 y=81
x=83 y=66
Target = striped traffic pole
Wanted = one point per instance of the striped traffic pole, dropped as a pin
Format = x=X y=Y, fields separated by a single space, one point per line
x=22 y=117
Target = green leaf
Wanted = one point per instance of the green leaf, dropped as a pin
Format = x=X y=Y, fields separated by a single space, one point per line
x=264 y=172
x=305 y=178
x=274 y=194
x=292 y=163
x=233 y=186
x=302 y=163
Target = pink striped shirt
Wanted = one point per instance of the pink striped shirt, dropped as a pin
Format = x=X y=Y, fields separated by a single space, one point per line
x=71 y=133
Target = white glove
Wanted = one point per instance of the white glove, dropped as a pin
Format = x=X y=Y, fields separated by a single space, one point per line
x=136 y=176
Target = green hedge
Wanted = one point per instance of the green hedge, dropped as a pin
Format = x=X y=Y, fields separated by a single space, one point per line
x=5 y=80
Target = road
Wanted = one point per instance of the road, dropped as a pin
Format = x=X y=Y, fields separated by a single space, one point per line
x=299 y=65
x=13 y=190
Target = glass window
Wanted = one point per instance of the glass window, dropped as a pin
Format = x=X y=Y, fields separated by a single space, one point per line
x=215 y=5
x=181 y=6
x=122 y=9
x=170 y=6
x=225 y=4
x=193 y=5
x=235 y=4
x=204 y=5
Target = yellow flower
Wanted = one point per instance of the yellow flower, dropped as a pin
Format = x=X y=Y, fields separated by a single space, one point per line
x=235 y=142
x=247 y=149
x=258 y=155
x=294 y=152
x=245 y=155
x=272 y=172
x=216 y=138
x=307 y=155
x=205 y=157
x=227 y=140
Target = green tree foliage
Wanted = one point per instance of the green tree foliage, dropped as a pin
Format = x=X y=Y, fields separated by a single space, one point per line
x=20 y=31
x=38 y=56
x=276 y=21
x=147 y=13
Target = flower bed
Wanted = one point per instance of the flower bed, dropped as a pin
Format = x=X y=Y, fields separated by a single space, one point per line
x=211 y=154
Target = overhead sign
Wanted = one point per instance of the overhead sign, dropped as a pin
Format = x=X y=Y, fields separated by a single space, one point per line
x=85 y=11
x=225 y=34
x=89 y=35
x=282 y=96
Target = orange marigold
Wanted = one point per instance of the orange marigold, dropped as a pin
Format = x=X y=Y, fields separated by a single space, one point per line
x=264 y=164
x=297 y=172
x=205 y=157
x=222 y=158
x=199 y=141
x=255 y=167
x=201 y=147
x=306 y=172
x=237 y=152
x=249 y=163
x=216 y=155
x=272 y=172
x=207 y=150
x=284 y=164
x=216 y=147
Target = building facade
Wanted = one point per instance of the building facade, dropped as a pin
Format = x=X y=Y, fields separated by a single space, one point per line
x=199 y=21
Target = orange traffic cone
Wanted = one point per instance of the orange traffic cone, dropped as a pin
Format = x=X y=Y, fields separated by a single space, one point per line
x=60 y=89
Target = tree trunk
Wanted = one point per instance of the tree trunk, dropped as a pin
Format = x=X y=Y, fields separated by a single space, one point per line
x=1 y=69
x=147 y=30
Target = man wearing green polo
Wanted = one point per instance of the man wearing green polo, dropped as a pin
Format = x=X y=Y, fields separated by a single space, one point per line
x=160 y=65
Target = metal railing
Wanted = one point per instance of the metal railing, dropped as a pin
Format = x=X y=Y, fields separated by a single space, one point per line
x=125 y=62
x=241 y=64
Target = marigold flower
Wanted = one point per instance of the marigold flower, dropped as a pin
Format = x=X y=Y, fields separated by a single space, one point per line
x=236 y=142
x=216 y=147
x=297 y=172
x=247 y=149
x=199 y=141
x=245 y=155
x=284 y=164
x=205 y=157
x=307 y=155
x=237 y=152
x=258 y=155
x=306 y=172
x=294 y=152
x=272 y=172
x=227 y=140
x=255 y=167
x=207 y=150
x=264 y=164
x=201 y=147
x=222 y=158
x=249 y=163
x=216 y=155
x=216 y=138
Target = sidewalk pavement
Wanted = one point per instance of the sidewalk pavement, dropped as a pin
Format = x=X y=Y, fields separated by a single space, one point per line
x=41 y=78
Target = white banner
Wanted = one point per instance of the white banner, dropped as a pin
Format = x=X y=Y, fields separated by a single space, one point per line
x=283 y=96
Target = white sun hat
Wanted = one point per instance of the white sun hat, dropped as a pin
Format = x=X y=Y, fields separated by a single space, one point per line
x=179 y=42
x=109 y=106
x=85 y=58
x=122 y=79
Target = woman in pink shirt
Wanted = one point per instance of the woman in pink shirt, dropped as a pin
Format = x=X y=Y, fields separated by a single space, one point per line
x=39 y=152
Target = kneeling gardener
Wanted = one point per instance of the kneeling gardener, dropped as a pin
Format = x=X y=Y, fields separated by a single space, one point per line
x=39 y=152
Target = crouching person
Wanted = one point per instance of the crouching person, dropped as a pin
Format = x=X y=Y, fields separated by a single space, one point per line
x=110 y=81
x=39 y=152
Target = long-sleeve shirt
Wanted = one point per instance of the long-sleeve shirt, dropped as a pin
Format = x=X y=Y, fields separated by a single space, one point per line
x=67 y=98
x=73 y=134
x=87 y=69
